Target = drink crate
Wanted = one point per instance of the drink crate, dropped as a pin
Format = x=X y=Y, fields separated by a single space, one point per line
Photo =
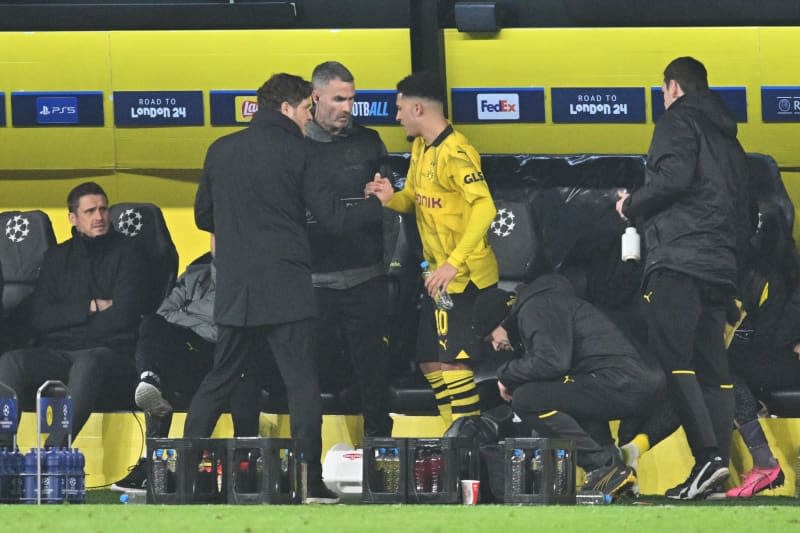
x=384 y=478
x=436 y=467
x=539 y=471
x=196 y=471
x=263 y=471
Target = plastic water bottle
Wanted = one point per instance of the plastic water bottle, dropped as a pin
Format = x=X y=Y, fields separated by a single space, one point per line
x=30 y=488
x=16 y=488
x=80 y=463
x=631 y=245
x=436 y=470
x=132 y=498
x=285 y=482
x=537 y=469
x=380 y=470
x=172 y=465
x=442 y=299
x=72 y=483
x=52 y=476
x=4 y=475
x=592 y=497
x=517 y=473
x=393 y=470
x=159 y=472
x=562 y=474
x=422 y=470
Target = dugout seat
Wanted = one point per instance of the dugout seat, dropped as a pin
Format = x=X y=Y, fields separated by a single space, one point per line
x=145 y=223
x=26 y=237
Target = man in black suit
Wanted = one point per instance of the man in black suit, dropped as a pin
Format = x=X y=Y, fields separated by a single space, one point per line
x=253 y=196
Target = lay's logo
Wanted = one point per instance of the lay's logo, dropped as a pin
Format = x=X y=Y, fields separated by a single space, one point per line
x=246 y=107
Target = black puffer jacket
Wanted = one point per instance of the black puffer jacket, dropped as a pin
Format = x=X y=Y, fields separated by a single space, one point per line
x=694 y=202
x=79 y=270
x=560 y=335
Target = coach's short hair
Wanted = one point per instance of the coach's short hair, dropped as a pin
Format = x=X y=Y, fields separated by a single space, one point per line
x=690 y=74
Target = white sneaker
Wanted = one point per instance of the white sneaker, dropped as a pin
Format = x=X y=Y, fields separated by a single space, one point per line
x=149 y=399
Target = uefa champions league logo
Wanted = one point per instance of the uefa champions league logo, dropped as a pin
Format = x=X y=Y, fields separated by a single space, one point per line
x=17 y=228
x=504 y=223
x=130 y=222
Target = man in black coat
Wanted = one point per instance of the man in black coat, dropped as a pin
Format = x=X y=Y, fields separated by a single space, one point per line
x=693 y=208
x=86 y=308
x=575 y=371
x=348 y=271
x=253 y=196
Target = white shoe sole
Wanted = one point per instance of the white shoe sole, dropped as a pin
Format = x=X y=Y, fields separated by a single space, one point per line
x=321 y=501
x=150 y=400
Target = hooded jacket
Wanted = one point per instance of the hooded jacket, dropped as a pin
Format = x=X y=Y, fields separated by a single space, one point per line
x=559 y=334
x=693 y=205
x=348 y=161
x=190 y=304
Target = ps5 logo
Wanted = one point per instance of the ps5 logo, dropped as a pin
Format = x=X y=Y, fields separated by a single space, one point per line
x=498 y=106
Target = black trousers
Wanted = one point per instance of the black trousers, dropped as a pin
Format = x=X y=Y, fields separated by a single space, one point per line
x=92 y=376
x=357 y=318
x=181 y=359
x=234 y=382
x=686 y=319
x=579 y=408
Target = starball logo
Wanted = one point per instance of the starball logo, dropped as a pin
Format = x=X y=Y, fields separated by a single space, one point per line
x=498 y=106
x=246 y=107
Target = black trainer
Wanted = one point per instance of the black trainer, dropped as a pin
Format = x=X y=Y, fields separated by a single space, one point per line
x=319 y=493
x=611 y=480
x=135 y=481
x=701 y=480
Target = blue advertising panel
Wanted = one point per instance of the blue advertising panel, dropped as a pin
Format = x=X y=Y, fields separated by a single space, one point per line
x=2 y=109
x=591 y=105
x=375 y=107
x=8 y=415
x=232 y=108
x=78 y=108
x=236 y=108
x=780 y=104
x=505 y=104
x=56 y=414
x=158 y=108
x=734 y=98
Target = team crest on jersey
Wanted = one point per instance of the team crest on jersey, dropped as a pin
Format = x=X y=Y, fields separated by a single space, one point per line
x=430 y=174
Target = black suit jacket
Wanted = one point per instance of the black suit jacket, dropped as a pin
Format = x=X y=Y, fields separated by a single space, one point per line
x=253 y=196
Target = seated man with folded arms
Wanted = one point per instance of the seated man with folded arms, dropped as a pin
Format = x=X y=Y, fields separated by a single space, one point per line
x=86 y=308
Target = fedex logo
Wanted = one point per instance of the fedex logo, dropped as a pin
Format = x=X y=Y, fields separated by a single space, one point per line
x=498 y=106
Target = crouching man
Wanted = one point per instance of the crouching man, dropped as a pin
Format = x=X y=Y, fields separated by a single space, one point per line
x=575 y=371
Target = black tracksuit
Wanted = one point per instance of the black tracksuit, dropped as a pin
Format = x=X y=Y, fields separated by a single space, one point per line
x=694 y=210
x=91 y=353
x=349 y=274
x=576 y=372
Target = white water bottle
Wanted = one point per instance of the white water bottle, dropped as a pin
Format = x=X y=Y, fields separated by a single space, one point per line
x=631 y=245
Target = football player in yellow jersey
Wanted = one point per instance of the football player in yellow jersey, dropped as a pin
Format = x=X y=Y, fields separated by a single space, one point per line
x=447 y=192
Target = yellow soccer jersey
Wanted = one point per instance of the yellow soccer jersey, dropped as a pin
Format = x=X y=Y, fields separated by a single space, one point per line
x=454 y=208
